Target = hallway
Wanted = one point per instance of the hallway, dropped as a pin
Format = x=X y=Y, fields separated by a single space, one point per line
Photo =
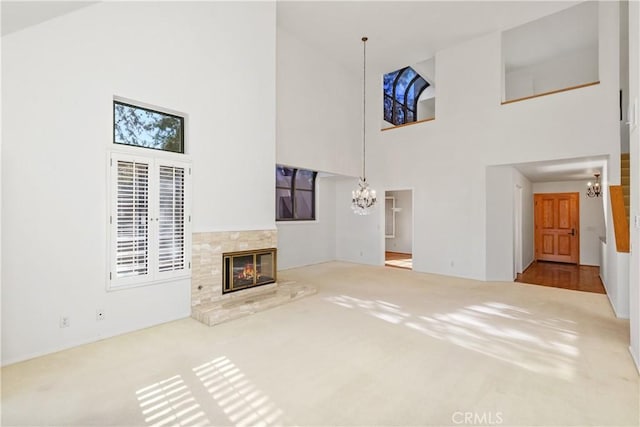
x=584 y=278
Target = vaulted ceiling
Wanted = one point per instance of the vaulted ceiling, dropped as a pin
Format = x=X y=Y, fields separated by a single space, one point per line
x=401 y=32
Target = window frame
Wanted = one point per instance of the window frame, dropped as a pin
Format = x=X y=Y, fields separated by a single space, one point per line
x=153 y=109
x=293 y=190
x=403 y=105
x=153 y=275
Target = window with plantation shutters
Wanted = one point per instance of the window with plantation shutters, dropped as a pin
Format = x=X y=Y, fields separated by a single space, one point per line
x=150 y=225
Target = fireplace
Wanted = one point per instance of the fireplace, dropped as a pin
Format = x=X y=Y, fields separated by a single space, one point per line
x=247 y=269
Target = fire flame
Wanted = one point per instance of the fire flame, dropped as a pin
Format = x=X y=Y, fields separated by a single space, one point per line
x=247 y=273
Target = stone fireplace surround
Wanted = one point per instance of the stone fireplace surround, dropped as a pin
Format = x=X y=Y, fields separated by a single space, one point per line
x=208 y=304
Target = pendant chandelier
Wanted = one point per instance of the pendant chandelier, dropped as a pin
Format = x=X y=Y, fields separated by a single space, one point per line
x=593 y=189
x=363 y=198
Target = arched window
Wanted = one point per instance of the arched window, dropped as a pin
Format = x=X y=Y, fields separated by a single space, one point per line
x=402 y=88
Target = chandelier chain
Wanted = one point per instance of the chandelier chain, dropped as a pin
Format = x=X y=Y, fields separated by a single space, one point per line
x=364 y=107
x=363 y=198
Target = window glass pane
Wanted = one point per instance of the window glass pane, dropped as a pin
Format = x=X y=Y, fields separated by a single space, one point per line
x=142 y=127
x=304 y=179
x=410 y=117
x=414 y=91
x=284 y=204
x=398 y=116
x=295 y=200
x=304 y=205
x=403 y=82
x=388 y=82
x=283 y=176
x=388 y=112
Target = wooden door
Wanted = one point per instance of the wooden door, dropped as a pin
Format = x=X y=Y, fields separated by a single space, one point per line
x=557 y=219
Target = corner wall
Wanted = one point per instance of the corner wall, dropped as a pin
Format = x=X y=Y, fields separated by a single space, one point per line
x=310 y=242
x=472 y=131
x=502 y=184
x=634 y=261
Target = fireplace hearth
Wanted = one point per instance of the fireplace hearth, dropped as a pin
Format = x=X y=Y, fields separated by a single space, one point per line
x=248 y=269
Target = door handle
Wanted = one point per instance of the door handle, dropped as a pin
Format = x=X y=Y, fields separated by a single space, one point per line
x=573 y=232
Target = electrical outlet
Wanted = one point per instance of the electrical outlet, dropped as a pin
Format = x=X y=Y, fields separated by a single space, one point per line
x=99 y=314
x=64 y=322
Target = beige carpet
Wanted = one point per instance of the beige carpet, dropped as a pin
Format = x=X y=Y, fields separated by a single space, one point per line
x=374 y=346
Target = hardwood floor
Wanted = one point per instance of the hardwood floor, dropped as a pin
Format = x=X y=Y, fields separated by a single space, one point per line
x=584 y=278
x=398 y=260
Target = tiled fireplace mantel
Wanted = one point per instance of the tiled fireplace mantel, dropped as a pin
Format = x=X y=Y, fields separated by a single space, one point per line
x=207 y=250
x=208 y=304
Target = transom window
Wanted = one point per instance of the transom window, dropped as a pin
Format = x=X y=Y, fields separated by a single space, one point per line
x=402 y=88
x=143 y=127
x=295 y=194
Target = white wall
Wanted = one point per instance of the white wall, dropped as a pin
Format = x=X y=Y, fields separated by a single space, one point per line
x=634 y=261
x=500 y=223
x=427 y=108
x=565 y=71
x=310 y=242
x=591 y=217
x=473 y=131
x=214 y=61
x=402 y=242
x=319 y=110
x=624 y=74
x=502 y=183
x=359 y=238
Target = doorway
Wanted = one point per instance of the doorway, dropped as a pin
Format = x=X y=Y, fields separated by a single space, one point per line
x=398 y=229
x=557 y=230
x=563 y=222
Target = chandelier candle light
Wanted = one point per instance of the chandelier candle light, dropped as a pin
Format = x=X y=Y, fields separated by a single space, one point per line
x=363 y=198
x=593 y=189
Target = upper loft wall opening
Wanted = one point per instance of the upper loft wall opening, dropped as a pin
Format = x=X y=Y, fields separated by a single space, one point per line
x=556 y=52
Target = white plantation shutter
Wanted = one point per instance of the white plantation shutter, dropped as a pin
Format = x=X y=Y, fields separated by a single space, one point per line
x=171 y=219
x=132 y=219
x=150 y=225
